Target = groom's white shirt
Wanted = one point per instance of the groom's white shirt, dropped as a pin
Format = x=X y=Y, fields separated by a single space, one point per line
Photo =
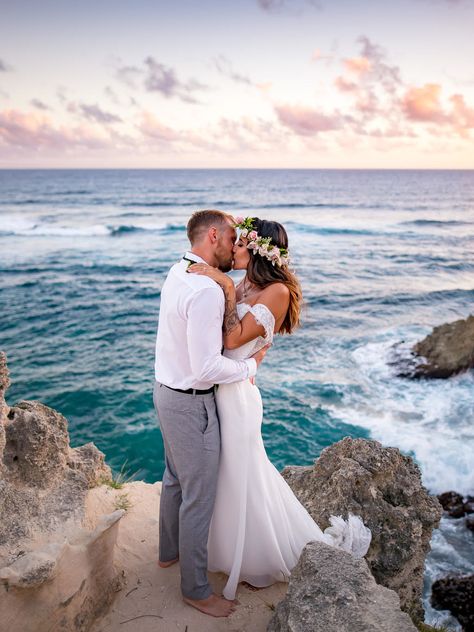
x=189 y=339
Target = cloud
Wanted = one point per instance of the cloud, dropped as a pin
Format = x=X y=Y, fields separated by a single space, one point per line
x=151 y=127
x=224 y=67
x=35 y=131
x=423 y=104
x=357 y=65
x=94 y=113
x=163 y=79
x=4 y=67
x=129 y=75
x=275 y=5
x=155 y=76
x=305 y=121
x=40 y=105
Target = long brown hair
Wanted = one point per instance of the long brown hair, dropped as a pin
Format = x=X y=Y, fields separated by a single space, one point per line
x=261 y=272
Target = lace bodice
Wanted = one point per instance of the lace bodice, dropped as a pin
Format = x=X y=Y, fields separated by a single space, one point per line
x=264 y=317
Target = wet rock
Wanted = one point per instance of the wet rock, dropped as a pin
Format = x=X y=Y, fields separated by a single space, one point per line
x=384 y=488
x=448 y=350
x=456 y=594
x=452 y=503
x=332 y=591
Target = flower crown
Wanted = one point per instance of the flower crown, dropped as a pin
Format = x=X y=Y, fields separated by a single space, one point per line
x=261 y=245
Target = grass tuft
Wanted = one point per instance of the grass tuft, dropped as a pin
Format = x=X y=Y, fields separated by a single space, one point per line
x=119 y=480
x=123 y=502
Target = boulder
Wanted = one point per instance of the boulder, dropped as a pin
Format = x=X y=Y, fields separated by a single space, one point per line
x=384 y=488
x=456 y=594
x=332 y=591
x=448 y=350
x=47 y=554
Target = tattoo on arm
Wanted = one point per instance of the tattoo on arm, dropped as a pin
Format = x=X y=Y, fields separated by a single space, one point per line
x=231 y=318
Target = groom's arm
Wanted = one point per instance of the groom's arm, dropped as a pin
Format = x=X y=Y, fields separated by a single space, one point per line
x=204 y=337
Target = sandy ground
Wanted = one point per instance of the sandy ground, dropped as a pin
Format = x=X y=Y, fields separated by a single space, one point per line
x=150 y=600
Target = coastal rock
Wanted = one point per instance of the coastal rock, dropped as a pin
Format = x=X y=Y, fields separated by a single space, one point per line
x=448 y=350
x=457 y=595
x=47 y=554
x=455 y=505
x=384 y=488
x=332 y=591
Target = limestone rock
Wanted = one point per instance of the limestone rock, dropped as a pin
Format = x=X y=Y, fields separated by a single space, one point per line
x=332 y=591
x=448 y=350
x=50 y=552
x=457 y=595
x=384 y=488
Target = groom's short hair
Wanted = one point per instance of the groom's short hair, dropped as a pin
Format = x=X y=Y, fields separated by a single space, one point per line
x=201 y=221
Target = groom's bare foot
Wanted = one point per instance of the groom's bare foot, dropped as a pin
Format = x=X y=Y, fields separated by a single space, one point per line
x=169 y=563
x=214 y=605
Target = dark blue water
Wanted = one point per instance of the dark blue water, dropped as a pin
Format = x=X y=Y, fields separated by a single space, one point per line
x=383 y=256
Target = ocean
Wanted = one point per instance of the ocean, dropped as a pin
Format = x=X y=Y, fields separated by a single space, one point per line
x=383 y=257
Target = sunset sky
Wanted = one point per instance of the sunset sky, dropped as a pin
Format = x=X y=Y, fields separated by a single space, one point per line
x=243 y=83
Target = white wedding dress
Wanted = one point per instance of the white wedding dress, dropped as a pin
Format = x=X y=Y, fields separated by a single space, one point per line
x=259 y=528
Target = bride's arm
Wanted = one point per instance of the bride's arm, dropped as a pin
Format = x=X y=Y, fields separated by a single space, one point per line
x=237 y=332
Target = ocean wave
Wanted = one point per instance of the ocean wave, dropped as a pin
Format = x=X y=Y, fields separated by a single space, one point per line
x=329 y=230
x=434 y=222
x=25 y=228
x=429 y=420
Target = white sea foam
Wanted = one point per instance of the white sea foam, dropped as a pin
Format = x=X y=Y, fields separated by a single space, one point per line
x=430 y=419
x=37 y=227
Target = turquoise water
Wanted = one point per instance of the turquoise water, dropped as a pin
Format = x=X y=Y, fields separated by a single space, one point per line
x=383 y=256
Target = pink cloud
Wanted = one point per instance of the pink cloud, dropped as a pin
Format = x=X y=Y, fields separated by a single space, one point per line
x=152 y=128
x=36 y=131
x=358 y=65
x=345 y=85
x=423 y=104
x=305 y=121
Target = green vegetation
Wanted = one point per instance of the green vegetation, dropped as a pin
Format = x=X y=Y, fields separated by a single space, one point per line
x=123 y=502
x=119 y=480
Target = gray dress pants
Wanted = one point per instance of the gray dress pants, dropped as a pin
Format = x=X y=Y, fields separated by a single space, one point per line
x=191 y=436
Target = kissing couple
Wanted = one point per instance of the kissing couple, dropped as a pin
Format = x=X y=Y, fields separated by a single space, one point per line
x=224 y=506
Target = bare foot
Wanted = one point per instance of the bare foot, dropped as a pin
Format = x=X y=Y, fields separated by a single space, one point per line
x=214 y=605
x=169 y=563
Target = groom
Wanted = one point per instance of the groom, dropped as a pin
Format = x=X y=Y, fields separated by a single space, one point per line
x=188 y=365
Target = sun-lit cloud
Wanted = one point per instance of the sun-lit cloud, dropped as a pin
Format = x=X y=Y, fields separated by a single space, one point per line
x=423 y=104
x=357 y=65
x=305 y=121
x=34 y=131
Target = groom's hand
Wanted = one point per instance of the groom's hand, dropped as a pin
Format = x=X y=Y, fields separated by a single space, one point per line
x=258 y=357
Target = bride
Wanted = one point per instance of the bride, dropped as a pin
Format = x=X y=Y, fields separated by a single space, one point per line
x=259 y=528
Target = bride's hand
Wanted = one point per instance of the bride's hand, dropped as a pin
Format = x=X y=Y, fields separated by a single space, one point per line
x=213 y=273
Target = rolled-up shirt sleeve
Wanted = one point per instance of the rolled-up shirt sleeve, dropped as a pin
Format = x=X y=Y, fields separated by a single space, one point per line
x=204 y=338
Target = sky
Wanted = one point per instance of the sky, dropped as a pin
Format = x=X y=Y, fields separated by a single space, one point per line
x=237 y=84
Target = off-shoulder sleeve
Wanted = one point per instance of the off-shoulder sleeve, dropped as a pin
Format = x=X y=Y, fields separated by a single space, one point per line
x=264 y=317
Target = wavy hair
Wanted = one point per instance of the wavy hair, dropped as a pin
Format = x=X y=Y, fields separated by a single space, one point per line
x=262 y=273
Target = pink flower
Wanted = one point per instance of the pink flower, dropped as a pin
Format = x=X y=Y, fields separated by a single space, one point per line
x=244 y=233
x=239 y=219
x=253 y=235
